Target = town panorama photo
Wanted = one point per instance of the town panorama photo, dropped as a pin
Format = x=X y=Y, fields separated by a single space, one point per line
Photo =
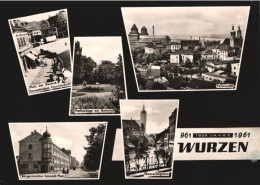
x=186 y=48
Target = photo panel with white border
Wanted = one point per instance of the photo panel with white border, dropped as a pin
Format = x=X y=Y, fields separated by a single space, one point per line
x=148 y=128
x=58 y=151
x=186 y=48
x=42 y=43
x=98 y=76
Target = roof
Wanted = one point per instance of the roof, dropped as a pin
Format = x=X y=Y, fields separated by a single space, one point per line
x=190 y=43
x=159 y=46
x=174 y=53
x=156 y=67
x=150 y=45
x=34 y=136
x=238 y=42
x=35 y=26
x=217 y=75
x=186 y=52
x=130 y=123
x=175 y=43
x=209 y=52
x=223 y=47
x=224 y=62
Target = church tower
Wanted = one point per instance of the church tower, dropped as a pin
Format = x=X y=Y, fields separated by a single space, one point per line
x=232 y=37
x=134 y=36
x=143 y=116
x=239 y=33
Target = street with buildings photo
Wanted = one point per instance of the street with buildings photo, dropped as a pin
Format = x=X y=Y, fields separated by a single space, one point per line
x=43 y=47
x=148 y=135
x=186 y=48
x=58 y=150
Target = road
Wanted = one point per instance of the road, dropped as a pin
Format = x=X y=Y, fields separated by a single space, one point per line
x=80 y=173
x=44 y=73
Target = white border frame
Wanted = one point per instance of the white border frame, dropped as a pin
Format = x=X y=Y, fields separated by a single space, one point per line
x=100 y=165
x=20 y=62
x=126 y=96
x=152 y=178
x=129 y=47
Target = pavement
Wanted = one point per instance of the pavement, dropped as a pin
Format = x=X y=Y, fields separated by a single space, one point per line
x=43 y=73
x=58 y=46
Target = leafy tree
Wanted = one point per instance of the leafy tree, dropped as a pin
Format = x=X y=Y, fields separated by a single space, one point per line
x=93 y=151
x=119 y=92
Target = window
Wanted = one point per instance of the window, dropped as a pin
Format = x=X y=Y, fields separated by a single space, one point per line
x=30 y=147
x=18 y=39
x=30 y=155
x=25 y=165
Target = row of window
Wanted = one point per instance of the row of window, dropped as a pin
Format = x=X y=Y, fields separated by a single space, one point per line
x=21 y=42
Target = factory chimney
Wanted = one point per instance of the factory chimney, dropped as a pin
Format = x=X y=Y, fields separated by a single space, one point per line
x=153 y=30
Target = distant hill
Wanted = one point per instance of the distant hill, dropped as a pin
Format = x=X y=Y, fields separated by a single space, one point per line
x=196 y=37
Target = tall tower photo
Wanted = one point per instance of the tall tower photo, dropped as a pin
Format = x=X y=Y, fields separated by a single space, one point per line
x=143 y=115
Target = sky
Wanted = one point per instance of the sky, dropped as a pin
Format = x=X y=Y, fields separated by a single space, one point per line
x=158 y=112
x=65 y=135
x=39 y=17
x=186 y=20
x=101 y=48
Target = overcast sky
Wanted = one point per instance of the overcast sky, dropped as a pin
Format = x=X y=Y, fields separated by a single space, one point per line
x=39 y=17
x=186 y=20
x=158 y=112
x=101 y=48
x=65 y=135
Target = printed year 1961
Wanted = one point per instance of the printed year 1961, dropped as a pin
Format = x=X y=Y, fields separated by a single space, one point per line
x=242 y=134
x=185 y=135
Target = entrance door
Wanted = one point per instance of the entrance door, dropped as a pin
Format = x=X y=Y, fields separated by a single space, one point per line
x=43 y=169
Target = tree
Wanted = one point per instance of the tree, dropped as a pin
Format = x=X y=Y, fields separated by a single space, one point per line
x=93 y=151
x=119 y=91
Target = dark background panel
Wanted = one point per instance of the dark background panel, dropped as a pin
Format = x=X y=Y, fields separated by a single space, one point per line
x=240 y=108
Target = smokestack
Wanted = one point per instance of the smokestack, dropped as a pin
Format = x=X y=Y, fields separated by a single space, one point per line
x=191 y=37
x=153 y=30
x=232 y=27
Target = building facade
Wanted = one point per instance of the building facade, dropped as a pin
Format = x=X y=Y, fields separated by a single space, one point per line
x=38 y=154
x=137 y=39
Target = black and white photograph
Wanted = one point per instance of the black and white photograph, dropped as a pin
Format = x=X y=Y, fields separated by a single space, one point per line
x=42 y=44
x=186 y=48
x=148 y=135
x=58 y=151
x=98 y=76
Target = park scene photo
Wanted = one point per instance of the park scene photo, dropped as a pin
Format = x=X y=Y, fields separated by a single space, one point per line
x=98 y=76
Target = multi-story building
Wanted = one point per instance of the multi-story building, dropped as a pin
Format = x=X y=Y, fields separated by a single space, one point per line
x=175 y=46
x=38 y=154
x=187 y=56
x=235 y=69
x=175 y=57
x=137 y=39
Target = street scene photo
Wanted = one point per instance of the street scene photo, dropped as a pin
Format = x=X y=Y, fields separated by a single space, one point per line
x=148 y=135
x=98 y=76
x=43 y=47
x=64 y=151
x=186 y=48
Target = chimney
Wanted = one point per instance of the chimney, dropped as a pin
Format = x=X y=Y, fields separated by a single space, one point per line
x=191 y=37
x=153 y=30
x=233 y=27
